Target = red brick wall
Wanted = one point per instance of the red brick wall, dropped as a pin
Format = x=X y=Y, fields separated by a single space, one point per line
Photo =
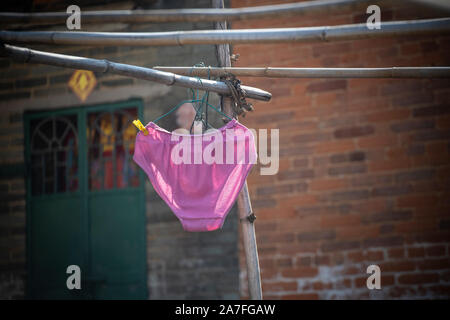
x=364 y=165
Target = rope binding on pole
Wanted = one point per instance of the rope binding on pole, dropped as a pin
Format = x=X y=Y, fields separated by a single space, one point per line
x=239 y=103
x=250 y=218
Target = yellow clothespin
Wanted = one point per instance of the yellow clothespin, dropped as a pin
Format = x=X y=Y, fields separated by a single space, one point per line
x=140 y=126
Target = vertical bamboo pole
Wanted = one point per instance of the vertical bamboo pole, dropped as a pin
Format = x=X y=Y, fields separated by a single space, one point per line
x=244 y=204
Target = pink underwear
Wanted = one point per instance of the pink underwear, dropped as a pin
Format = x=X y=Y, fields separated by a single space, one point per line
x=198 y=176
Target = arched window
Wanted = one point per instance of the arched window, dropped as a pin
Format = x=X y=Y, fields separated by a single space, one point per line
x=54 y=155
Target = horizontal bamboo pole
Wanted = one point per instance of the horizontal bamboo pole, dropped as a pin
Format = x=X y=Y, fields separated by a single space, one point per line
x=179 y=15
x=394 y=72
x=245 y=36
x=60 y=60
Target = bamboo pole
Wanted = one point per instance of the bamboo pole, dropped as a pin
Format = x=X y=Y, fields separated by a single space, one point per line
x=439 y=26
x=180 y=15
x=269 y=72
x=167 y=78
x=243 y=201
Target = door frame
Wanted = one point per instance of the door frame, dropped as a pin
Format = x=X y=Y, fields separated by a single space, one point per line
x=81 y=112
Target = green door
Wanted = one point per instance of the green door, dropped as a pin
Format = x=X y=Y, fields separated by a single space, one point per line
x=85 y=203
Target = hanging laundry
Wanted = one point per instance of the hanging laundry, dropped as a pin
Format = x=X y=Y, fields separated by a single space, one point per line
x=199 y=176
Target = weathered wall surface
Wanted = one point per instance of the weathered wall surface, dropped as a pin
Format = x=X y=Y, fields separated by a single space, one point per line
x=363 y=179
x=180 y=264
x=364 y=165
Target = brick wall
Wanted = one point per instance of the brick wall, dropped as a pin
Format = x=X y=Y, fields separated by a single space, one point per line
x=180 y=264
x=363 y=171
x=364 y=165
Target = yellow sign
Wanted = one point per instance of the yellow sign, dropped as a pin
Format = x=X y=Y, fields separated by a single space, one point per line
x=82 y=83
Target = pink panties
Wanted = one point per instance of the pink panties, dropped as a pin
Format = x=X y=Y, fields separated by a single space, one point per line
x=199 y=176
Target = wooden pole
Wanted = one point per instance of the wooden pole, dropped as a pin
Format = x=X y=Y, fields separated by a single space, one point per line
x=244 y=203
x=269 y=72
x=310 y=34
x=60 y=60
x=181 y=15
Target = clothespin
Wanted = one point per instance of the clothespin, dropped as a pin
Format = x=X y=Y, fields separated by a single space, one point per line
x=140 y=126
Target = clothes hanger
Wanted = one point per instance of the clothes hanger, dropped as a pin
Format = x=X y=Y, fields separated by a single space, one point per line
x=202 y=102
x=199 y=104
